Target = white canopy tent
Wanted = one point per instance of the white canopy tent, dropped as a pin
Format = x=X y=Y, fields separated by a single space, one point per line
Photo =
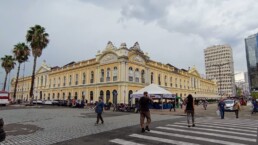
x=154 y=91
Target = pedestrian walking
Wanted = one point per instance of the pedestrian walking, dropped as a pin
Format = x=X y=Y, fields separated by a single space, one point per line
x=221 y=108
x=205 y=104
x=237 y=108
x=145 y=111
x=189 y=109
x=173 y=105
x=99 y=109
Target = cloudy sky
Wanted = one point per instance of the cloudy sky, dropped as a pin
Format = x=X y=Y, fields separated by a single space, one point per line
x=171 y=31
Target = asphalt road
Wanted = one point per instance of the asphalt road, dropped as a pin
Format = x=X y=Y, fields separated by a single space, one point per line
x=208 y=131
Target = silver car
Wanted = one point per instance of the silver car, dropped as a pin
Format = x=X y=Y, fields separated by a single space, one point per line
x=229 y=105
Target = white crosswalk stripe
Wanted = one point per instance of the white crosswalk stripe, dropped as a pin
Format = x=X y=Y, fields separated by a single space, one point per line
x=124 y=142
x=221 y=127
x=206 y=131
x=196 y=138
x=215 y=130
x=161 y=139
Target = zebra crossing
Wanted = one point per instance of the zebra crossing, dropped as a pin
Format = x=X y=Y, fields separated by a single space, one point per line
x=207 y=131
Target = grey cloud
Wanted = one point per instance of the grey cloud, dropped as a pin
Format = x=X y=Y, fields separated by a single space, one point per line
x=145 y=10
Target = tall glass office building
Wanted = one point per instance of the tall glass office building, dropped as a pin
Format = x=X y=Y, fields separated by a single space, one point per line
x=251 y=47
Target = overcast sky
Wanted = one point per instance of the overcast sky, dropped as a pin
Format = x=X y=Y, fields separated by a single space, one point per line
x=171 y=31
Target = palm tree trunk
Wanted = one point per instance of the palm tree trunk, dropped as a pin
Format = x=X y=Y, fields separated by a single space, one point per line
x=5 y=81
x=16 y=83
x=33 y=77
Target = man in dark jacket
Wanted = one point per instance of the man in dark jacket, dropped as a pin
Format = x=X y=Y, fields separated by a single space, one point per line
x=144 y=111
x=99 y=110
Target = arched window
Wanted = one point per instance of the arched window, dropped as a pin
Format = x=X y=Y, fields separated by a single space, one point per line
x=130 y=74
x=92 y=77
x=69 y=95
x=75 y=95
x=137 y=75
x=53 y=96
x=63 y=95
x=115 y=74
x=152 y=81
x=165 y=80
x=143 y=76
x=54 y=82
x=59 y=80
x=101 y=95
x=41 y=81
x=45 y=80
x=159 y=80
x=49 y=83
x=108 y=74
x=70 y=80
x=102 y=73
x=76 y=79
x=171 y=85
x=64 y=81
x=84 y=78
x=91 y=96
x=58 y=95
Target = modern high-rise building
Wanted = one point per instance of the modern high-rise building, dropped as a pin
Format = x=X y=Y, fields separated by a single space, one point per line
x=251 y=47
x=219 y=66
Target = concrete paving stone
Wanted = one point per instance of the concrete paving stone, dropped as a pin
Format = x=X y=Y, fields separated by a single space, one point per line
x=65 y=124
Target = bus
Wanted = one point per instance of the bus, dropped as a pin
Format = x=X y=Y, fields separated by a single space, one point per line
x=4 y=98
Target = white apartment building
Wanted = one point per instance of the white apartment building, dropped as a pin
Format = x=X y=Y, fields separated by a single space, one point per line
x=219 y=66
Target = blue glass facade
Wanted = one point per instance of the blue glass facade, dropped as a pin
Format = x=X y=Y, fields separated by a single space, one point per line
x=251 y=47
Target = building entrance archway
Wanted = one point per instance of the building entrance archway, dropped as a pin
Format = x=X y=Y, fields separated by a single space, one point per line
x=114 y=92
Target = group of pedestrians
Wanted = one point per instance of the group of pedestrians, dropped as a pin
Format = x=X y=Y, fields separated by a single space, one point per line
x=221 y=108
x=145 y=111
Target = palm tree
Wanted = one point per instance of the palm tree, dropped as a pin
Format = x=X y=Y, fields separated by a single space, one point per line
x=21 y=53
x=38 y=39
x=8 y=63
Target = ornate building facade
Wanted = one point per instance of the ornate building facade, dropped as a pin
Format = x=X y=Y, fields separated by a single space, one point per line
x=113 y=74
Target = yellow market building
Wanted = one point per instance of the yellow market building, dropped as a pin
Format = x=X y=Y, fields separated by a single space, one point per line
x=113 y=74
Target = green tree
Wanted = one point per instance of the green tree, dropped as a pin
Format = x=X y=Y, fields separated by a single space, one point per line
x=254 y=95
x=21 y=53
x=38 y=40
x=8 y=63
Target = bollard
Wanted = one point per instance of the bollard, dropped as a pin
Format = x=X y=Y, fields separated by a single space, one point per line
x=2 y=133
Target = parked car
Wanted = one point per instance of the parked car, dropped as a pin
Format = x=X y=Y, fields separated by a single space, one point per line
x=55 y=102
x=47 y=102
x=62 y=103
x=37 y=101
x=229 y=105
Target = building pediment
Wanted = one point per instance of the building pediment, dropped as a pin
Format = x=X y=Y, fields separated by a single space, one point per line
x=108 y=58
x=137 y=59
x=194 y=72
x=43 y=68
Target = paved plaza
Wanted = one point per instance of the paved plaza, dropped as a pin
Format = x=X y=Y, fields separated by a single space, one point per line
x=48 y=126
x=59 y=125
